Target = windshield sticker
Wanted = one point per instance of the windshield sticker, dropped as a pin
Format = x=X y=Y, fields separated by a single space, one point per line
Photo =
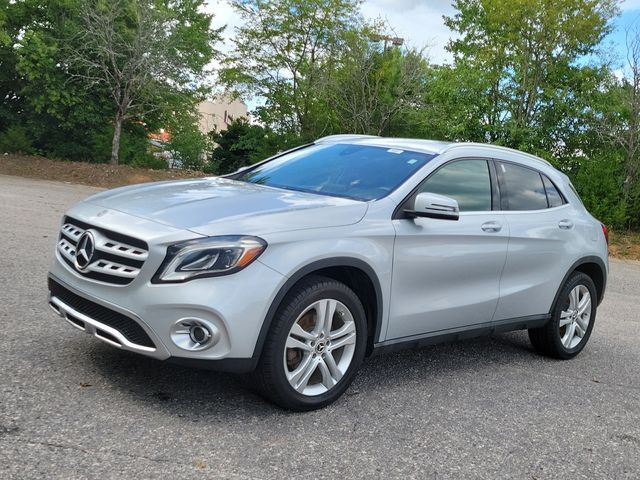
x=395 y=150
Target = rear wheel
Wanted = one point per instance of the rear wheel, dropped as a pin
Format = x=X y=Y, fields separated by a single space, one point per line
x=316 y=344
x=572 y=320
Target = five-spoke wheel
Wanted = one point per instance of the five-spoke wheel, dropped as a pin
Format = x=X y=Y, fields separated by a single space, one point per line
x=315 y=345
x=575 y=317
x=320 y=347
x=572 y=319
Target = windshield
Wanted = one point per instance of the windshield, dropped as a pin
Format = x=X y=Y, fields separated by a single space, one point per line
x=354 y=171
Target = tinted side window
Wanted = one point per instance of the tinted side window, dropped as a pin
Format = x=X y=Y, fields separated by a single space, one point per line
x=466 y=181
x=521 y=188
x=553 y=195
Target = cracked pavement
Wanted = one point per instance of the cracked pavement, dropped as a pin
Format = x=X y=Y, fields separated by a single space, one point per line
x=73 y=407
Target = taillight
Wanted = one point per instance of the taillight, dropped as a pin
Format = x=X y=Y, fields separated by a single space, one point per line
x=606 y=233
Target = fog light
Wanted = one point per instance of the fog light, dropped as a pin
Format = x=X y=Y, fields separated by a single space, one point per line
x=199 y=334
x=194 y=334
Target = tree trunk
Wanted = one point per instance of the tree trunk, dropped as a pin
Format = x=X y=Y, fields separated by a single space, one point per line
x=115 y=145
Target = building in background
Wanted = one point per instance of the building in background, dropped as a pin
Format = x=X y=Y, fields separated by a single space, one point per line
x=216 y=114
x=219 y=113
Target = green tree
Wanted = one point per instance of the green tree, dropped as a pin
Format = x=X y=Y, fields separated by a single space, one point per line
x=598 y=182
x=526 y=75
x=141 y=52
x=524 y=61
x=282 y=54
x=455 y=105
x=79 y=67
x=374 y=88
x=620 y=119
x=14 y=17
x=5 y=37
x=34 y=91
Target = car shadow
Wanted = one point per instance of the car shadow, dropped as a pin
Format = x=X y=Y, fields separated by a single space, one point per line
x=197 y=394
x=476 y=356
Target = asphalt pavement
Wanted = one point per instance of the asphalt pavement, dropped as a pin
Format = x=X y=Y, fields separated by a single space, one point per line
x=73 y=407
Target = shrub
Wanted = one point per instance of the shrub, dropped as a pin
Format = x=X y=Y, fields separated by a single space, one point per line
x=149 y=161
x=15 y=139
x=188 y=146
x=599 y=183
x=243 y=144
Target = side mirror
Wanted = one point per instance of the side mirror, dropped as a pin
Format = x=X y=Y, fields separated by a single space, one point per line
x=433 y=205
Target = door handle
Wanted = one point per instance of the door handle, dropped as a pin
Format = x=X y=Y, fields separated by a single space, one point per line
x=565 y=224
x=491 y=227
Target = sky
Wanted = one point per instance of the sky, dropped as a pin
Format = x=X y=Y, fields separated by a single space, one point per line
x=420 y=22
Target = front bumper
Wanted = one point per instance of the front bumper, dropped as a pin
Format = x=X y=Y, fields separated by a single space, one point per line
x=236 y=305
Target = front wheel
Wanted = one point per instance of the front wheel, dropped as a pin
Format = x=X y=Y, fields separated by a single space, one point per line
x=315 y=346
x=572 y=320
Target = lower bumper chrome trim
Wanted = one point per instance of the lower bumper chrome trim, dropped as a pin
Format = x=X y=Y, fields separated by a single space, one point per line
x=93 y=327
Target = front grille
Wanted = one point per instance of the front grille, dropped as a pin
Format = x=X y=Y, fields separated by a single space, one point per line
x=128 y=327
x=115 y=258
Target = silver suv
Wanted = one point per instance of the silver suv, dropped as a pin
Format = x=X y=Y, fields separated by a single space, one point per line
x=297 y=268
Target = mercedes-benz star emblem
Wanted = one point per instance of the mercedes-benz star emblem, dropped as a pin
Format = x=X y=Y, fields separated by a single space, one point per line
x=84 y=251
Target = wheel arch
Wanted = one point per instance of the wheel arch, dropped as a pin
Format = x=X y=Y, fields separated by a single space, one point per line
x=355 y=273
x=592 y=266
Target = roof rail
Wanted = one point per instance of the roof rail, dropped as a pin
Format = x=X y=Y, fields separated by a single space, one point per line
x=500 y=147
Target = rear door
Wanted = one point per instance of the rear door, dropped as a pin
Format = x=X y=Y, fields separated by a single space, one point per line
x=540 y=227
x=446 y=273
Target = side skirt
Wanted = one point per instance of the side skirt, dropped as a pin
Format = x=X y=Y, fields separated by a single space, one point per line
x=455 y=334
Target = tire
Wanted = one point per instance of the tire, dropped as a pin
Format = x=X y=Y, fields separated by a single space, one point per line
x=282 y=370
x=553 y=339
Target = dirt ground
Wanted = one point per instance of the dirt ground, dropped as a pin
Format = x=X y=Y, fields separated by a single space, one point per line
x=625 y=245
x=92 y=174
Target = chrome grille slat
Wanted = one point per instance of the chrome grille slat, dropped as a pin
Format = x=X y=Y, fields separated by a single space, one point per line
x=114 y=260
x=66 y=249
x=72 y=231
x=121 y=249
x=112 y=268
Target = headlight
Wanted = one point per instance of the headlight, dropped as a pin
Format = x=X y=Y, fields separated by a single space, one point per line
x=208 y=257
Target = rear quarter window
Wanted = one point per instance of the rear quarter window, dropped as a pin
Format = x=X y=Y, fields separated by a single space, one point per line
x=573 y=189
x=521 y=188
x=554 y=197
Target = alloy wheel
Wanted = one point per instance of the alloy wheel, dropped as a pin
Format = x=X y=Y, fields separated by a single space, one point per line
x=575 y=317
x=320 y=347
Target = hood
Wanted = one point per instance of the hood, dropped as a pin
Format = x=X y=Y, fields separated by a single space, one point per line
x=218 y=206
